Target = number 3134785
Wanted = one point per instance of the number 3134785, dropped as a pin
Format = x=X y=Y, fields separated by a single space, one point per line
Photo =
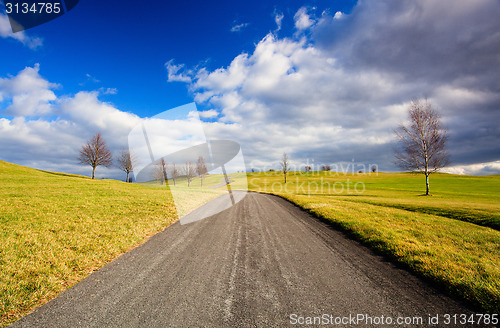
x=35 y=8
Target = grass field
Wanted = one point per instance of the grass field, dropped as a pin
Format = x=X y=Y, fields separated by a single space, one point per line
x=450 y=238
x=58 y=228
x=474 y=199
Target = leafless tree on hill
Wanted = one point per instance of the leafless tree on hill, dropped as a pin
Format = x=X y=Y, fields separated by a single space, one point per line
x=96 y=153
x=126 y=161
x=189 y=171
x=422 y=142
x=201 y=168
x=159 y=171
x=174 y=171
x=285 y=165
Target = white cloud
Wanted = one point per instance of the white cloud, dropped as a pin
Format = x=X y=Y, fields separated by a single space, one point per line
x=108 y=91
x=6 y=32
x=288 y=81
x=278 y=18
x=224 y=79
x=94 y=115
x=212 y=113
x=238 y=27
x=173 y=70
x=302 y=19
x=475 y=169
x=30 y=94
x=338 y=15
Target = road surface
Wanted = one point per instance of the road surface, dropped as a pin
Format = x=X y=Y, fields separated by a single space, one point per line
x=261 y=263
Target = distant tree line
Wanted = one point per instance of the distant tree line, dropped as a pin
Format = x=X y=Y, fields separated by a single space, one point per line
x=162 y=170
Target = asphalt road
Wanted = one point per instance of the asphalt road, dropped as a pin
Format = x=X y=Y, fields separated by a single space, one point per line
x=261 y=263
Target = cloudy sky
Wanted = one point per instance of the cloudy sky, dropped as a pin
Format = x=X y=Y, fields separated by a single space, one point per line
x=324 y=81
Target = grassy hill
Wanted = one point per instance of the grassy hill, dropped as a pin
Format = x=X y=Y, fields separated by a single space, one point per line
x=450 y=238
x=58 y=228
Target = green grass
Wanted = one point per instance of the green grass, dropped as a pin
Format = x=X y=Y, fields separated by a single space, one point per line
x=450 y=238
x=474 y=199
x=58 y=228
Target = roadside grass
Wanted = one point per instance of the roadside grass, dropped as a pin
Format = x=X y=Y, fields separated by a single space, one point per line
x=391 y=216
x=56 y=229
x=474 y=199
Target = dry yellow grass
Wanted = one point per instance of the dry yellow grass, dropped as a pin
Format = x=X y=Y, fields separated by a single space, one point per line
x=57 y=228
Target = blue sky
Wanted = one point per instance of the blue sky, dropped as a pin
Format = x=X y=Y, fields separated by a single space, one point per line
x=325 y=81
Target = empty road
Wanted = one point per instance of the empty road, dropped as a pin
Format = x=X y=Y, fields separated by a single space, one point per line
x=261 y=263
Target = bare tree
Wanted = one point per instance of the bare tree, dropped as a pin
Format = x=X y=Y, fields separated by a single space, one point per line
x=326 y=168
x=96 y=153
x=164 y=170
x=126 y=161
x=201 y=168
x=174 y=172
x=159 y=171
x=285 y=165
x=423 y=141
x=189 y=171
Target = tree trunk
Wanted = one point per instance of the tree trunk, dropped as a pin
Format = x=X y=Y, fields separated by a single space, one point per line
x=285 y=177
x=426 y=158
x=127 y=177
x=427 y=184
x=93 y=171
